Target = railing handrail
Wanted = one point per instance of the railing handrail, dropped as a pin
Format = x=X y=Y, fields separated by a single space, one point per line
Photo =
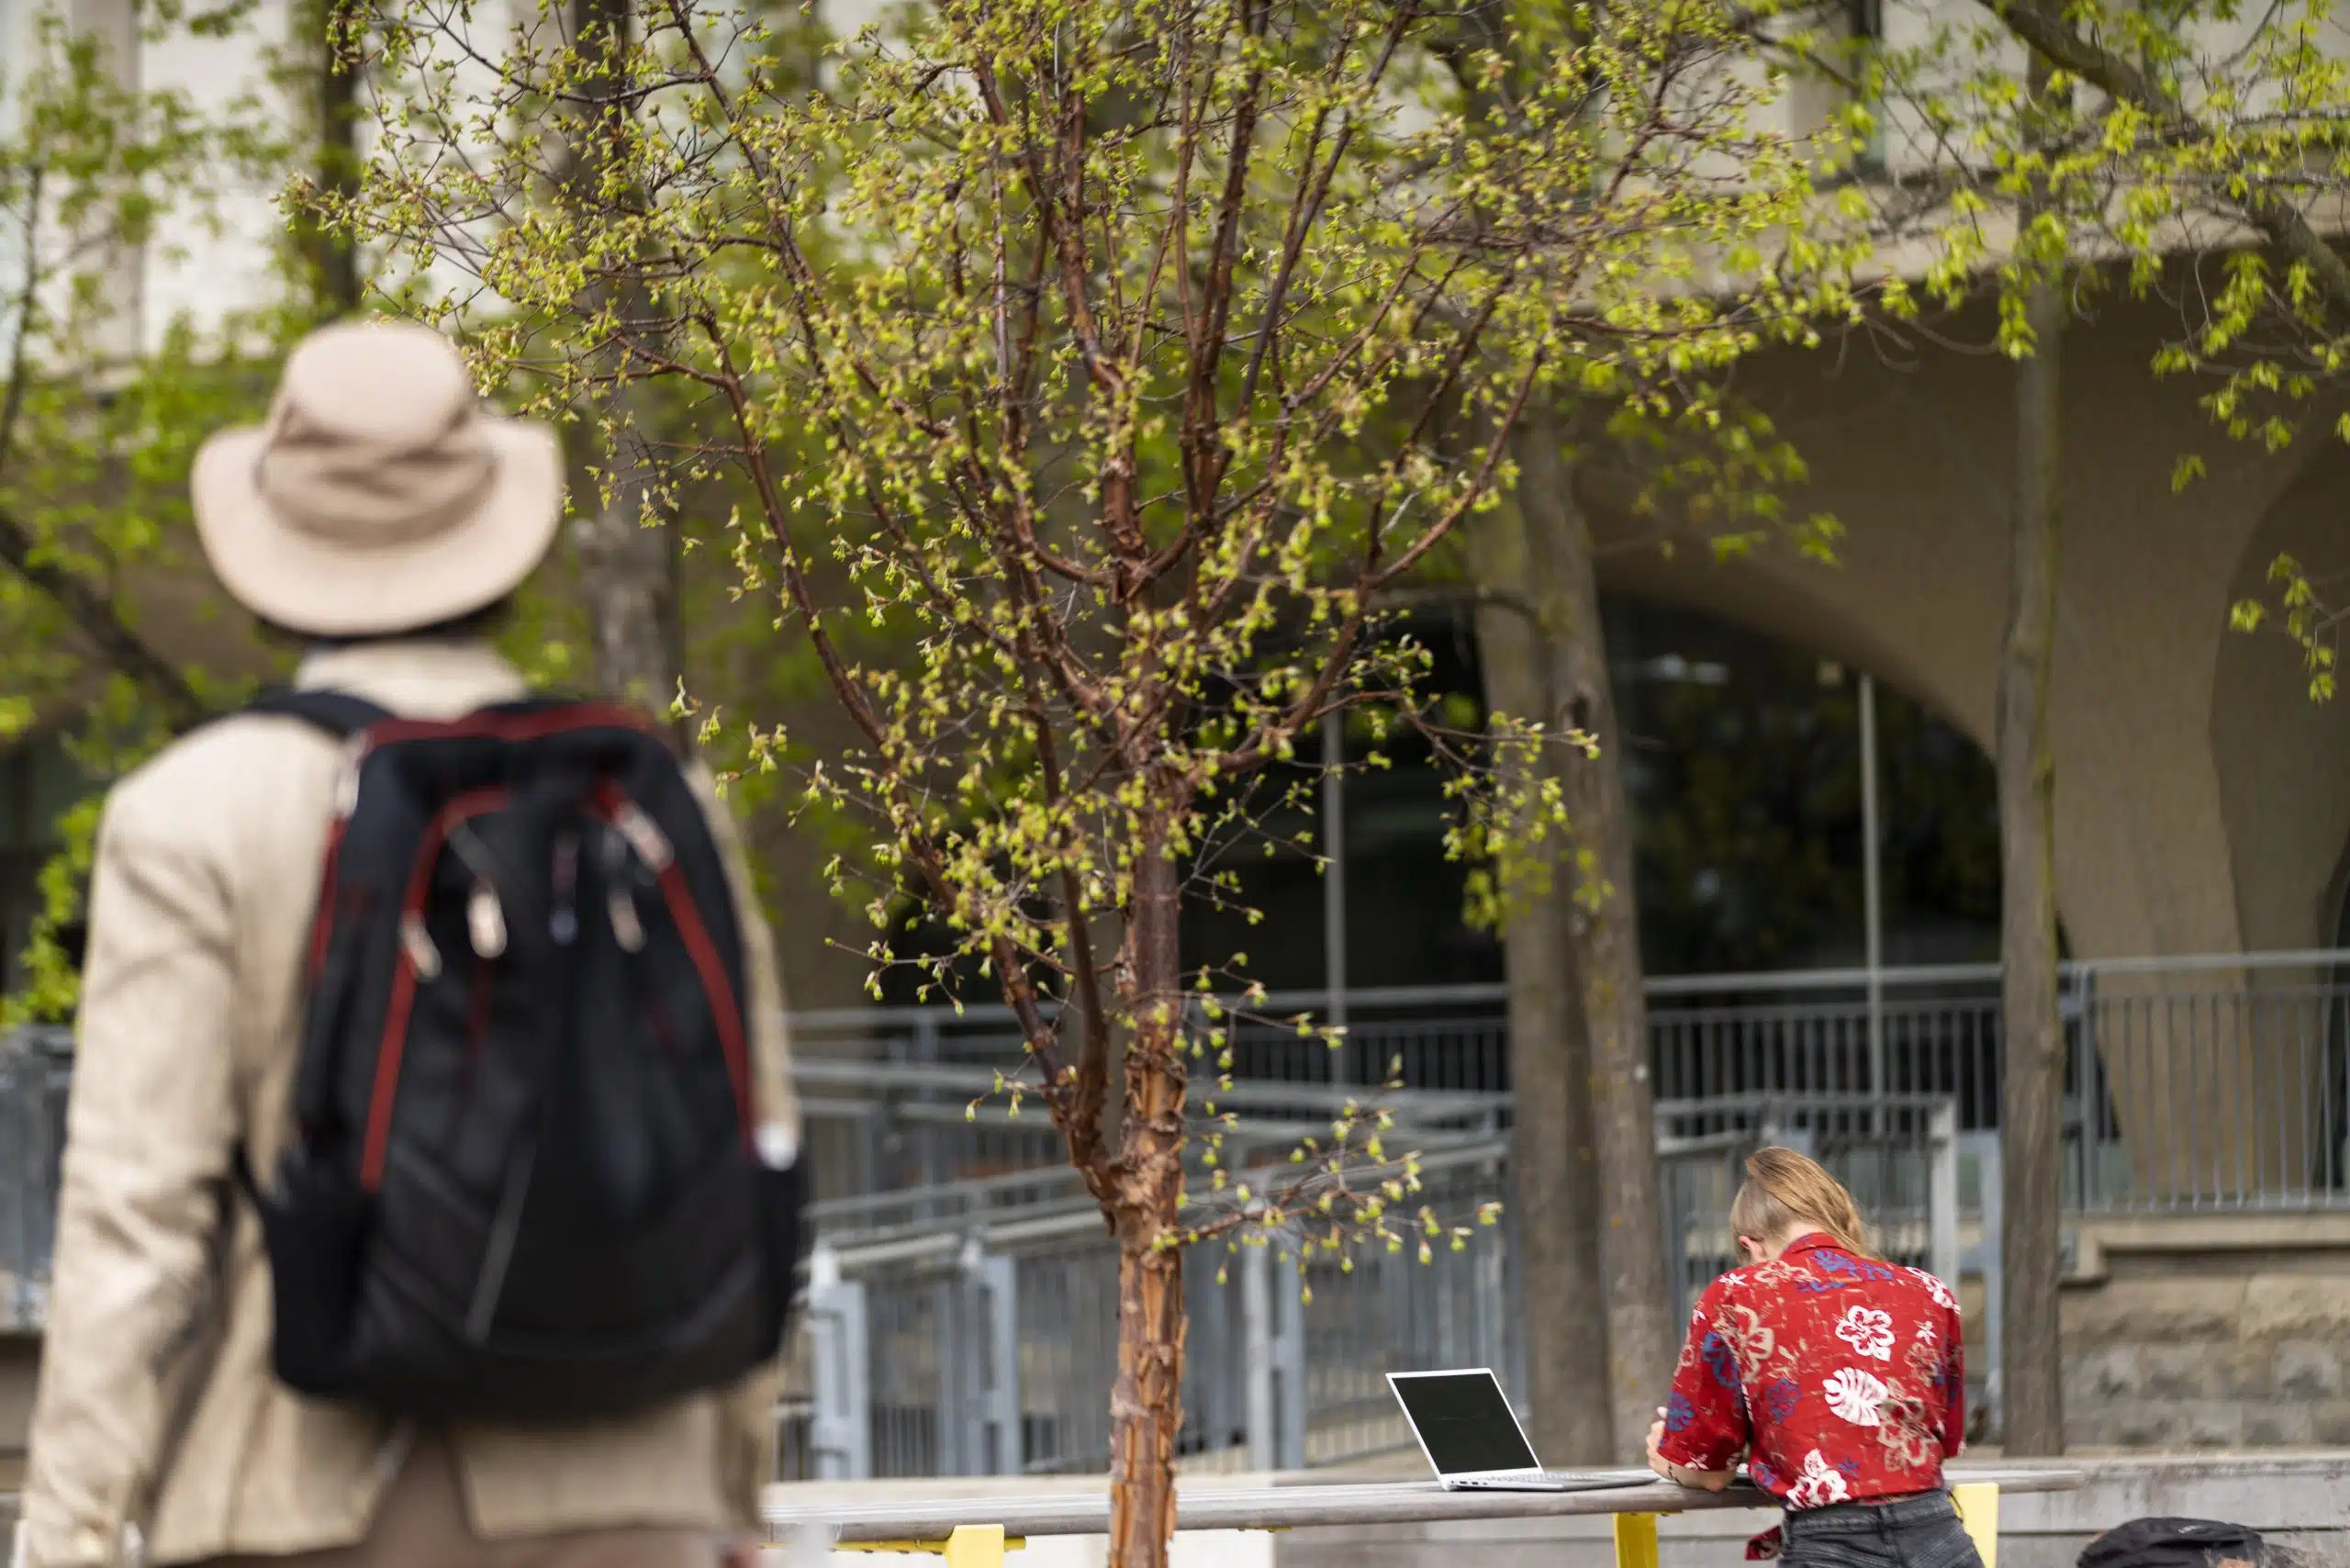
x=1241 y=1094
x=1053 y=1217
x=838 y=1020
x=824 y=1021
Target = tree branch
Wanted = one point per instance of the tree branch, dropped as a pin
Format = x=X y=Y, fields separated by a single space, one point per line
x=2053 y=37
x=97 y=619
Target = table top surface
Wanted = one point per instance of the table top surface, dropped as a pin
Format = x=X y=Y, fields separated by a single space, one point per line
x=1307 y=1503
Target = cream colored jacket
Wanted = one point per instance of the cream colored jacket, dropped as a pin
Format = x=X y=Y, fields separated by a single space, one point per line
x=157 y=1417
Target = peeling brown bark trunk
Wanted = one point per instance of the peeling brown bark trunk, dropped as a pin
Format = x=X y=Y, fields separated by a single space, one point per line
x=1147 y=1404
x=1604 y=934
x=1553 y=1166
x=2032 y=1089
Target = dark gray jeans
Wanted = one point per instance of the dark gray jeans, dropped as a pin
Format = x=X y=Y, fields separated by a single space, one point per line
x=1909 y=1532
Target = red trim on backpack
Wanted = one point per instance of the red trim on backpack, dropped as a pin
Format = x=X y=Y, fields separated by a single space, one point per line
x=535 y=725
x=322 y=917
x=687 y=916
x=403 y=999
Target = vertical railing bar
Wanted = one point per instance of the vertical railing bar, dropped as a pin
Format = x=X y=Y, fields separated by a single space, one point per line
x=2166 y=1098
x=2246 y=1019
x=2099 y=1084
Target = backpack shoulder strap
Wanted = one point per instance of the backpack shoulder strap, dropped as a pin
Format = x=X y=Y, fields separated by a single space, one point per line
x=337 y=714
x=593 y=710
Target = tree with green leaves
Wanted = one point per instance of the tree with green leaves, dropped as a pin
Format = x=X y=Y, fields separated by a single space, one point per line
x=100 y=415
x=1089 y=374
x=2201 y=146
x=108 y=599
x=2194 y=152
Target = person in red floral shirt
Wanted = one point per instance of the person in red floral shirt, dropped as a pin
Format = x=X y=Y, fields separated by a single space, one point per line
x=1838 y=1377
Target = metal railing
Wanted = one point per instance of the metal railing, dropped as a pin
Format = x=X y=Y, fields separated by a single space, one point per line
x=34 y=1071
x=987 y=1344
x=983 y=1341
x=2192 y=1084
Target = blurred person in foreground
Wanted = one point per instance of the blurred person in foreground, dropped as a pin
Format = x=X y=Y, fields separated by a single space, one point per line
x=382 y=518
x=1838 y=1378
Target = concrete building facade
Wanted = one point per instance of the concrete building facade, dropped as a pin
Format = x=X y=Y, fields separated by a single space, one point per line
x=2199 y=795
x=2202 y=799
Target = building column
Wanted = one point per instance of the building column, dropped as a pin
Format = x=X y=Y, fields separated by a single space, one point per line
x=121 y=332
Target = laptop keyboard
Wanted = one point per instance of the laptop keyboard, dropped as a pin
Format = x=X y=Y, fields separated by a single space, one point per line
x=1560 y=1478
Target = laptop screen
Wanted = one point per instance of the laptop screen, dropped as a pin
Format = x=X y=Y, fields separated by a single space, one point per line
x=1464 y=1422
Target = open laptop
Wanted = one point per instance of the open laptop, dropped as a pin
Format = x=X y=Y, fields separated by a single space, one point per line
x=1472 y=1440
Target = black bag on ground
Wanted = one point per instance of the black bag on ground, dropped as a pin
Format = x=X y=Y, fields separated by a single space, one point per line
x=2173 y=1543
x=526 y=1181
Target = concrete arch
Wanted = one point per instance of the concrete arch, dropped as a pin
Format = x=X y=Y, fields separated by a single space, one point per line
x=2283 y=766
x=2283 y=761
x=2202 y=802
x=1915 y=460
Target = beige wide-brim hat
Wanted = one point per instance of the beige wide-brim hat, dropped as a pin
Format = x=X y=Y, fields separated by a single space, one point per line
x=381 y=497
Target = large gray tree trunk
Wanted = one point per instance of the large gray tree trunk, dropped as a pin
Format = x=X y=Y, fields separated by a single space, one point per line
x=1604 y=929
x=629 y=554
x=1587 y=1193
x=628 y=576
x=2032 y=1088
x=1553 y=1166
x=334 y=259
x=2031 y=1106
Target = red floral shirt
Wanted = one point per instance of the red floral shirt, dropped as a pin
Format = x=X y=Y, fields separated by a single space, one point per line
x=1839 y=1378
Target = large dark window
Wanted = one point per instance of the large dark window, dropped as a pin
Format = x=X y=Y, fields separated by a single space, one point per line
x=37 y=783
x=1741 y=756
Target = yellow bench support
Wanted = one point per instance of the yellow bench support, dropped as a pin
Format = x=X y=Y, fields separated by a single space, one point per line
x=1635 y=1541
x=971 y=1546
x=1979 y=1510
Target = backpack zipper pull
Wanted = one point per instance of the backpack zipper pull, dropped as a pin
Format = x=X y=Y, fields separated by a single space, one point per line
x=423 y=956
x=626 y=927
x=644 y=835
x=486 y=921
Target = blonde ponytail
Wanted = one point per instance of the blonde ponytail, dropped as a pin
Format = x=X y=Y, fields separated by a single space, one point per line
x=1785 y=1191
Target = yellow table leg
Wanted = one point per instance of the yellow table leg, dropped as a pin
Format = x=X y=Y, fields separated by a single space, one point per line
x=971 y=1546
x=975 y=1546
x=1979 y=1510
x=1635 y=1541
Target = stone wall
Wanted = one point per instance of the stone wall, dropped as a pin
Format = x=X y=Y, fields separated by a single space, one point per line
x=2203 y=1333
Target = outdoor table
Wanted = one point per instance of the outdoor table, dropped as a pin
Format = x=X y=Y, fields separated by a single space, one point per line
x=975 y=1532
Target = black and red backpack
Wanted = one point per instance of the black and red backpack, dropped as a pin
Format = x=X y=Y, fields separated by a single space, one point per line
x=527 y=1181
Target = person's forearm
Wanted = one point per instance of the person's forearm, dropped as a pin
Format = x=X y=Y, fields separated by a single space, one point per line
x=1696 y=1480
